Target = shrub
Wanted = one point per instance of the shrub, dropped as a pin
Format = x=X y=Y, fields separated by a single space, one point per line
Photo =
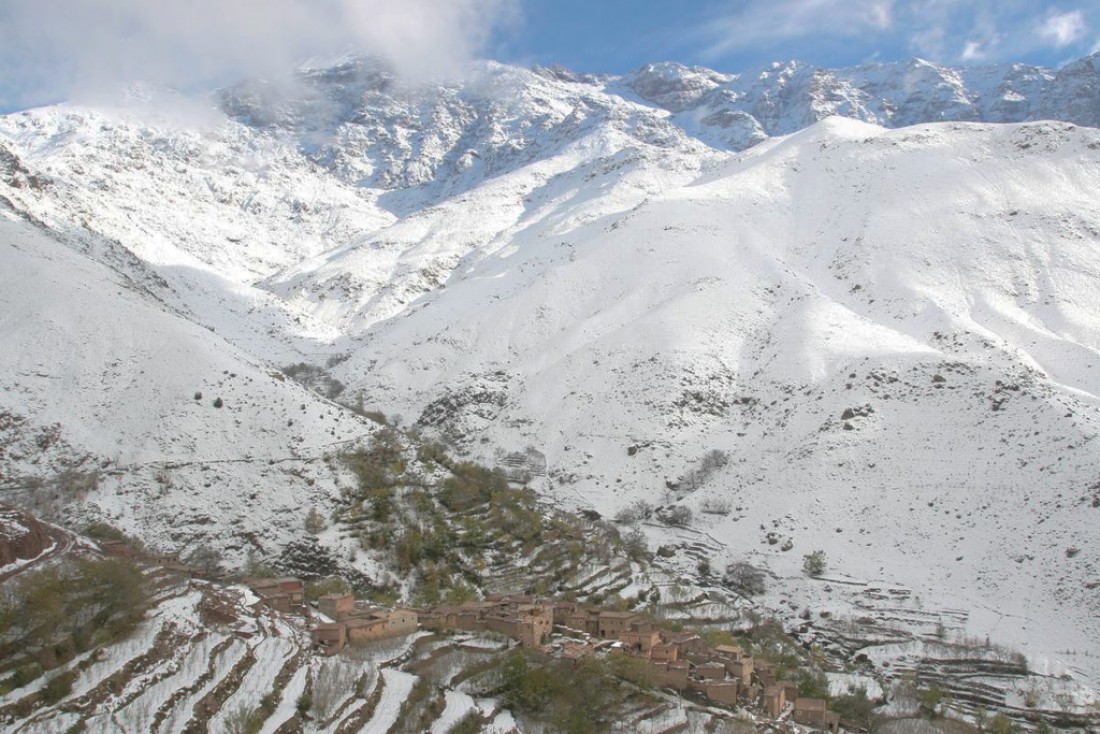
x=244 y=720
x=636 y=546
x=930 y=700
x=711 y=462
x=314 y=521
x=744 y=578
x=206 y=559
x=22 y=676
x=814 y=564
x=678 y=515
x=471 y=485
x=58 y=687
x=856 y=707
x=634 y=513
x=812 y=684
x=471 y=723
x=375 y=415
x=85 y=601
x=314 y=590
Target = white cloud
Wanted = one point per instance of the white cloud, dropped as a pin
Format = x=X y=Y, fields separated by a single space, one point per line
x=946 y=31
x=50 y=49
x=758 y=23
x=1063 y=29
x=973 y=51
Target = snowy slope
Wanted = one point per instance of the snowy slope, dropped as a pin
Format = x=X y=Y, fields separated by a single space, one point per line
x=737 y=110
x=579 y=264
x=111 y=381
x=945 y=276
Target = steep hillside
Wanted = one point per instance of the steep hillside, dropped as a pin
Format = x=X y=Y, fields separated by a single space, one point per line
x=890 y=335
x=166 y=430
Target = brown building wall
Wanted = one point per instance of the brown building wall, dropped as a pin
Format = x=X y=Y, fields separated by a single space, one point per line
x=724 y=692
x=293 y=587
x=610 y=625
x=811 y=711
x=336 y=605
x=775 y=700
x=711 y=671
x=741 y=669
x=277 y=600
x=666 y=676
x=402 y=622
x=361 y=631
x=664 y=652
x=331 y=637
x=644 y=640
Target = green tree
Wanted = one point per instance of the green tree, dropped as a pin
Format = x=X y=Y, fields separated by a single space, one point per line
x=1001 y=724
x=314 y=522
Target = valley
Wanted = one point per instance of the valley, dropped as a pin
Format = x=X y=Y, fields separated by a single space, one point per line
x=857 y=322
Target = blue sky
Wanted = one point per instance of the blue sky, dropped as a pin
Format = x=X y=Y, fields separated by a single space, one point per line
x=52 y=50
x=616 y=35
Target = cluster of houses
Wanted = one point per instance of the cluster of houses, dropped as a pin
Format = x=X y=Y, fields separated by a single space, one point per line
x=724 y=674
x=683 y=661
x=287 y=595
x=355 y=623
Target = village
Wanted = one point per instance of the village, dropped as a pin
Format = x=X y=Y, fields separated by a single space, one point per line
x=682 y=661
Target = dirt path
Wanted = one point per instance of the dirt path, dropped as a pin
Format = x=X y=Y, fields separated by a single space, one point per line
x=63 y=542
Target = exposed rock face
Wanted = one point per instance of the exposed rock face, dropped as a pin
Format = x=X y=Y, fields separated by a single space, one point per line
x=786 y=97
x=21 y=536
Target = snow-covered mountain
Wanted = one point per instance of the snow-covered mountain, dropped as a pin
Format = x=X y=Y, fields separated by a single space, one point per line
x=890 y=334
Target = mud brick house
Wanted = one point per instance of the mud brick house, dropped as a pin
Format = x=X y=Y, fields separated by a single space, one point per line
x=641 y=637
x=710 y=671
x=294 y=588
x=330 y=637
x=563 y=610
x=380 y=624
x=520 y=617
x=664 y=651
x=687 y=643
x=612 y=624
x=336 y=606
x=777 y=696
x=577 y=651
x=741 y=669
x=813 y=712
x=729 y=652
x=718 y=691
x=765 y=672
x=670 y=674
x=722 y=691
x=271 y=594
x=775 y=700
x=584 y=621
x=530 y=624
